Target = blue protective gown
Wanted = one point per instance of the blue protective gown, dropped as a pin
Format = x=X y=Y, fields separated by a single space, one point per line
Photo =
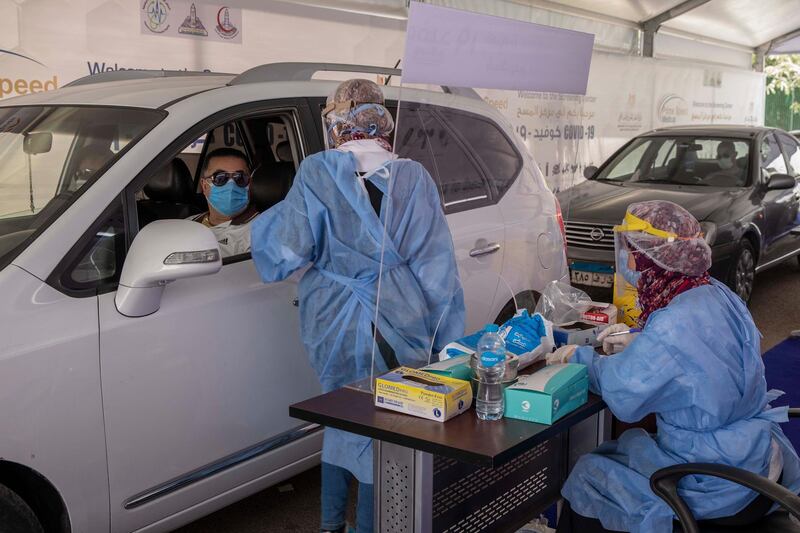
x=697 y=366
x=327 y=220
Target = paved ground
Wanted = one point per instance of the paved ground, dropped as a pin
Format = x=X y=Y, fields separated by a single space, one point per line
x=775 y=308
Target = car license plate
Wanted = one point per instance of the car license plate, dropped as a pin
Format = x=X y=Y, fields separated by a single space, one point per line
x=592 y=279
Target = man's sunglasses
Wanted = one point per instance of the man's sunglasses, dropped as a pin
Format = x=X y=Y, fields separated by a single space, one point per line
x=242 y=179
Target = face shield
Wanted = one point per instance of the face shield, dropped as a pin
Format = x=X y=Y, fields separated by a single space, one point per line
x=687 y=253
x=633 y=236
x=348 y=120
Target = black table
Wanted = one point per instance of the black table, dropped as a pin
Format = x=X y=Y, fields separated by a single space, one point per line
x=463 y=475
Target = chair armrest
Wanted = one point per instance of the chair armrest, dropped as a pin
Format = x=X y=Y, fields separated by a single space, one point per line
x=664 y=483
x=794 y=412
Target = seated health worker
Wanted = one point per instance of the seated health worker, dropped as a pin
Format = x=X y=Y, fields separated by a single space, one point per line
x=361 y=218
x=697 y=365
x=226 y=185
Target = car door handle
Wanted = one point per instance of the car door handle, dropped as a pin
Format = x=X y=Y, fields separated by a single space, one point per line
x=484 y=250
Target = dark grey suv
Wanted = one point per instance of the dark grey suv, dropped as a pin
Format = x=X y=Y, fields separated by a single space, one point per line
x=741 y=183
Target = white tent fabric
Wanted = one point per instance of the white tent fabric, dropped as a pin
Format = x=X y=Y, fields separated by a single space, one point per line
x=740 y=25
x=745 y=23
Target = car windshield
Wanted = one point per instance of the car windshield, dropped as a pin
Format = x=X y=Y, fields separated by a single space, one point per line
x=48 y=155
x=681 y=160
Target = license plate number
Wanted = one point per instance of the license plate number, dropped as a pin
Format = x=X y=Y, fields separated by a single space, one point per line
x=592 y=279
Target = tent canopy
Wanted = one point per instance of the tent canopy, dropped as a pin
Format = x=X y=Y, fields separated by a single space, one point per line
x=746 y=23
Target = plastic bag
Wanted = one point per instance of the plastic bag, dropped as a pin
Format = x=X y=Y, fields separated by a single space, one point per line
x=562 y=303
x=539 y=525
x=528 y=337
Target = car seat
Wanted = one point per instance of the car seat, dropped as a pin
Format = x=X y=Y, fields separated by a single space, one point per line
x=271 y=181
x=170 y=194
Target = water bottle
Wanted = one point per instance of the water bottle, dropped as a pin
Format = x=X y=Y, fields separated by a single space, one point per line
x=489 y=402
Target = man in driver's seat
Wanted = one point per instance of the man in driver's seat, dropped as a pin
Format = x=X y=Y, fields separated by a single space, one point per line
x=225 y=182
x=729 y=173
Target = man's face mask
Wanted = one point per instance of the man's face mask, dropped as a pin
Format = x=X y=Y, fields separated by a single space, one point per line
x=725 y=161
x=229 y=199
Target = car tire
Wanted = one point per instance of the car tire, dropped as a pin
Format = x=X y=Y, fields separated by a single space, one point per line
x=743 y=273
x=15 y=515
x=525 y=300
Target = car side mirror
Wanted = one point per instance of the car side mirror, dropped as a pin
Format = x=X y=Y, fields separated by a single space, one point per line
x=589 y=172
x=780 y=182
x=165 y=250
x=37 y=143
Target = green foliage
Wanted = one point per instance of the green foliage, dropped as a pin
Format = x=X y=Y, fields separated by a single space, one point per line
x=783 y=76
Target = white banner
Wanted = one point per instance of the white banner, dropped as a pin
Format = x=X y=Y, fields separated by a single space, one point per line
x=184 y=18
x=626 y=96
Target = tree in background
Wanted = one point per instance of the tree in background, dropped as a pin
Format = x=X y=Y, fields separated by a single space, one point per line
x=783 y=91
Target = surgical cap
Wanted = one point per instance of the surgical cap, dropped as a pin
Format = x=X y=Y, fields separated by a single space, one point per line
x=687 y=253
x=367 y=118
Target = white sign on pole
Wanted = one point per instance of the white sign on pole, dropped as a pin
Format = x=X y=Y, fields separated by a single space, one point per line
x=463 y=49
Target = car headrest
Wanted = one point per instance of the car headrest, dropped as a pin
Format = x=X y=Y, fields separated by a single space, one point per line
x=284 y=152
x=172 y=183
x=266 y=190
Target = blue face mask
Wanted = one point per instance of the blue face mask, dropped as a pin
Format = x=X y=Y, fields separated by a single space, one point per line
x=631 y=276
x=230 y=199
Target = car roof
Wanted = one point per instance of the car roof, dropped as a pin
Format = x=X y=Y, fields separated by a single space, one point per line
x=727 y=130
x=150 y=93
x=153 y=91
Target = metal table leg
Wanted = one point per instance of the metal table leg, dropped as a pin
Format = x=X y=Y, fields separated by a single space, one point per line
x=417 y=492
x=403 y=484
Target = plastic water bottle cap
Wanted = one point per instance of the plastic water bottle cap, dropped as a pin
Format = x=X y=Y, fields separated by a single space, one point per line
x=493 y=328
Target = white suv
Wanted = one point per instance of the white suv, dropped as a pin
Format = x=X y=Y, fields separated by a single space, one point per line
x=136 y=393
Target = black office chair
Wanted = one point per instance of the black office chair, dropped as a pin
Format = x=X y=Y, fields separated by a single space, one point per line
x=664 y=483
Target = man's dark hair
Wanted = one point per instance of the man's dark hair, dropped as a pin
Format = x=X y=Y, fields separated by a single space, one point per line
x=224 y=152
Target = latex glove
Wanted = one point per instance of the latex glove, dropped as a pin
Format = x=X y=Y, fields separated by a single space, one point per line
x=617 y=343
x=562 y=355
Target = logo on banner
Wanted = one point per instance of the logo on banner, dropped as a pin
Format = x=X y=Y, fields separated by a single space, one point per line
x=155 y=15
x=630 y=118
x=672 y=109
x=192 y=25
x=225 y=27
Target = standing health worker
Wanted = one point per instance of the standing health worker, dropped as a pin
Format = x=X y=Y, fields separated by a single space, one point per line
x=697 y=365
x=361 y=218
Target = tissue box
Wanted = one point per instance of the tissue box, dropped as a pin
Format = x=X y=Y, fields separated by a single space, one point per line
x=600 y=313
x=420 y=393
x=455 y=367
x=580 y=333
x=547 y=395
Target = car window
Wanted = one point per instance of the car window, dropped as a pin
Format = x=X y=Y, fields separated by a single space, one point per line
x=49 y=155
x=665 y=153
x=269 y=163
x=100 y=259
x=489 y=144
x=681 y=160
x=423 y=137
x=625 y=165
x=192 y=153
x=771 y=158
x=792 y=150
